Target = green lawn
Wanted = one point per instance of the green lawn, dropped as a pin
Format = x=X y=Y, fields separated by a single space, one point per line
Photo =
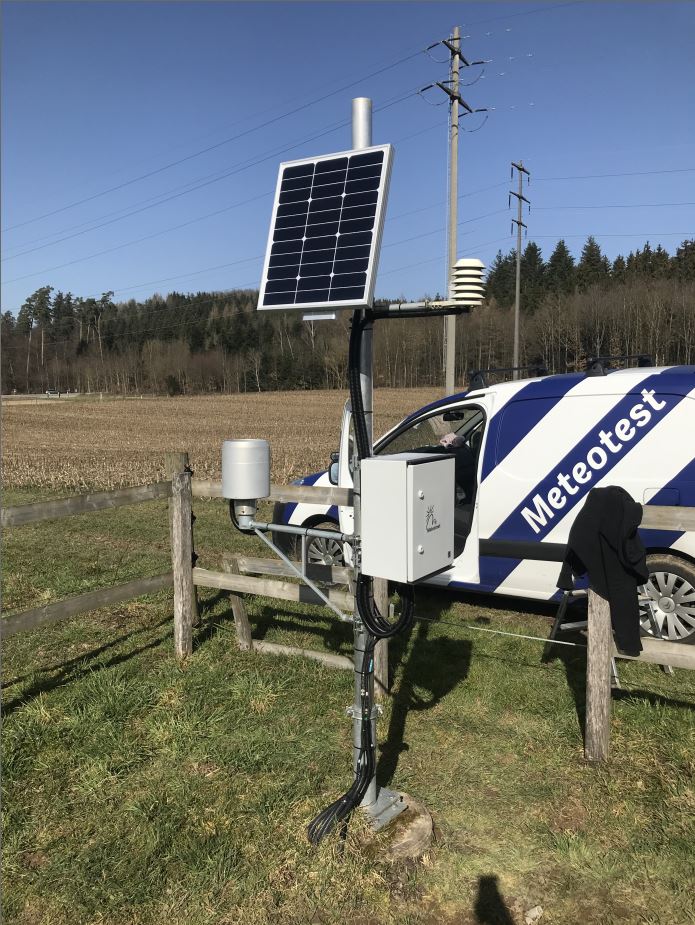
x=138 y=791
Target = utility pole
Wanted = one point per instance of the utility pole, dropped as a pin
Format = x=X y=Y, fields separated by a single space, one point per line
x=521 y=199
x=451 y=88
x=450 y=320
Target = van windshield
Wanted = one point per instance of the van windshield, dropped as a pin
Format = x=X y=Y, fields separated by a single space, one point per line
x=439 y=433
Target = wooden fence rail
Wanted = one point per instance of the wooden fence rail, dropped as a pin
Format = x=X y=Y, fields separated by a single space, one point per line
x=247 y=575
x=81 y=504
x=84 y=603
x=306 y=494
x=266 y=587
x=180 y=489
x=334 y=574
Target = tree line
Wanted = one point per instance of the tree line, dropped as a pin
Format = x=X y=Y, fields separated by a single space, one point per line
x=216 y=341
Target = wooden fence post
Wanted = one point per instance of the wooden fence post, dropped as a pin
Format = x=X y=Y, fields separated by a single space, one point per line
x=598 y=680
x=381 y=650
x=181 y=561
x=241 y=620
x=178 y=462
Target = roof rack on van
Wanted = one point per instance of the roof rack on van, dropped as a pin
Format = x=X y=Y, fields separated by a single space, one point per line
x=601 y=366
x=479 y=378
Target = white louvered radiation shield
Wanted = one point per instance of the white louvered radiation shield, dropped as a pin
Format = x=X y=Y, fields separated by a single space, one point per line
x=467 y=286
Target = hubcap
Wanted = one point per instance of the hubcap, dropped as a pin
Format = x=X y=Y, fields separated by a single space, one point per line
x=668 y=601
x=322 y=551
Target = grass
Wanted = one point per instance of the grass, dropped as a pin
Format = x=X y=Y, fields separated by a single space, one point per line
x=141 y=792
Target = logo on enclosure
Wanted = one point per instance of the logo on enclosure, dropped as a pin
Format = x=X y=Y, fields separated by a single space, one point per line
x=431 y=522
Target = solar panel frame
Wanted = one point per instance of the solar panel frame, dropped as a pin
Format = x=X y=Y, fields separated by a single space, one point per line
x=283 y=228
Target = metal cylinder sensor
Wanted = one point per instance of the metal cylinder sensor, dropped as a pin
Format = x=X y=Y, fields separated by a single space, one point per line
x=245 y=470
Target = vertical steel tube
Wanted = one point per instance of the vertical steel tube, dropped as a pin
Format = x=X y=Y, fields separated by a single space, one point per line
x=362 y=138
x=361 y=122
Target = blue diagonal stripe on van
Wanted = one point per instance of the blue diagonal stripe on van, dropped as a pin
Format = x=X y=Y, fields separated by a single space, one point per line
x=649 y=466
x=684 y=483
x=609 y=440
x=291 y=506
x=548 y=392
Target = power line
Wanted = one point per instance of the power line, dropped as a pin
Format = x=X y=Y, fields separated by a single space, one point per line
x=631 y=205
x=213 y=177
x=634 y=173
x=260 y=256
x=539 y=9
x=618 y=234
x=168 y=279
x=201 y=217
x=420 y=263
x=104 y=224
x=218 y=144
x=117 y=247
x=246 y=166
x=426 y=234
x=441 y=202
x=627 y=205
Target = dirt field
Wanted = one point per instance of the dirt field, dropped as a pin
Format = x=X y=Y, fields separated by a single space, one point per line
x=112 y=443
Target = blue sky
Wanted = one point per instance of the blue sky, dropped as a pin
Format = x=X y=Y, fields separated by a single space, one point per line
x=97 y=95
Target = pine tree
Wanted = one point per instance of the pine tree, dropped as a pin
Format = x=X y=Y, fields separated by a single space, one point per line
x=684 y=261
x=661 y=263
x=501 y=278
x=619 y=271
x=560 y=271
x=593 y=267
x=532 y=278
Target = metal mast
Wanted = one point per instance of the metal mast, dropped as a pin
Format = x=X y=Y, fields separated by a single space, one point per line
x=521 y=199
x=450 y=320
x=380 y=804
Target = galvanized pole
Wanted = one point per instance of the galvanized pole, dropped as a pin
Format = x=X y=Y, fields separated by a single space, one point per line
x=362 y=138
x=380 y=804
x=520 y=198
x=450 y=320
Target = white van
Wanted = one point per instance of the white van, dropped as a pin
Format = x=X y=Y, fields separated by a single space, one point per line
x=528 y=453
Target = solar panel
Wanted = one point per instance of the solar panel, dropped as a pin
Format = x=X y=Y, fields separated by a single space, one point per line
x=325 y=233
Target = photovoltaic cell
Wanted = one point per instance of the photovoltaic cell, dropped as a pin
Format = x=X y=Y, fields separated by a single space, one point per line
x=326 y=229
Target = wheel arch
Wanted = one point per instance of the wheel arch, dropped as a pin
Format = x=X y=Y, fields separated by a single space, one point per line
x=669 y=551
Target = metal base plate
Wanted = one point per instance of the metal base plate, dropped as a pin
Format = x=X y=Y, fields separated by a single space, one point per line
x=388 y=805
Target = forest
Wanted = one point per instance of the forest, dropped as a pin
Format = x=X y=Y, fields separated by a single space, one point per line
x=216 y=341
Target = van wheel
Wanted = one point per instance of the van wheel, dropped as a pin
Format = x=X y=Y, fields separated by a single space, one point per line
x=670 y=595
x=322 y=551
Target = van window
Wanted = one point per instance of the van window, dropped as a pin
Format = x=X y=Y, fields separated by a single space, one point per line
x=426 y=434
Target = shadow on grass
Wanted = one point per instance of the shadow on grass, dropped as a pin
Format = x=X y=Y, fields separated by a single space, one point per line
x=335 y=635
x=490 y=908
x=655 y=700
x=574 y=663
x=75 y=668
x=431 y=669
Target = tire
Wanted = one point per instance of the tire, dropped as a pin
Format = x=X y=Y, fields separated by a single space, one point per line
x=322 y=551
x=671 y=591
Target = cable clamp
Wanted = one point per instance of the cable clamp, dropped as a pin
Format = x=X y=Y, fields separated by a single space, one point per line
x=356 y=713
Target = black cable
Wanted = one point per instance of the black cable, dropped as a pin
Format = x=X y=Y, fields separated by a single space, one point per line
x=377 y=625
x=232 y=517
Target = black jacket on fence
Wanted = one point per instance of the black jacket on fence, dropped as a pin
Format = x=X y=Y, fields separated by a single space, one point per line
x=604 y=543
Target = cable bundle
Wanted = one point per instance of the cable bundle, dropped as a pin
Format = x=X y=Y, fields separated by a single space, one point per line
x=340 y=809
x=377 y=625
